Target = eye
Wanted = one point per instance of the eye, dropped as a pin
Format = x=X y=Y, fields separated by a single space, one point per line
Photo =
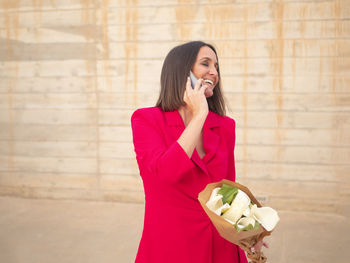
x=205 y=64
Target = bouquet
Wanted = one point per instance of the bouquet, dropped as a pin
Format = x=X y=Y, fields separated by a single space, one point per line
x=238 y=216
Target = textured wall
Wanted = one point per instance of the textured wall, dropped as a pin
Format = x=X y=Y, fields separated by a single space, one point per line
x=72 y=72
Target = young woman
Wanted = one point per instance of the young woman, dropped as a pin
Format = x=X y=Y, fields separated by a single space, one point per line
x=181 y=145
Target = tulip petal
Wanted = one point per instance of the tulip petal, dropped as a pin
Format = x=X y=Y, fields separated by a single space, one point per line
x=266 y=216
x=238 y=206
x=221 y=209
x=245 y=221
x=247 y=212
x=215 y=200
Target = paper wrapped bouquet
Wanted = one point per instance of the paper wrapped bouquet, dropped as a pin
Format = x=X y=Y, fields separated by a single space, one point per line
x=238 y=216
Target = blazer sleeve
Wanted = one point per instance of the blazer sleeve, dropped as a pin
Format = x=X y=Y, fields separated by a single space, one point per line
x=231 y=137
x=154 y=157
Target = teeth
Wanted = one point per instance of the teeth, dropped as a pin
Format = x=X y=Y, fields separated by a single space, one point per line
x=209 y=81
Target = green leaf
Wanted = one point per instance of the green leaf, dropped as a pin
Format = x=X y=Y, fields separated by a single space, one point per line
x=248 y=227
x=228 y=192
x=256 y=225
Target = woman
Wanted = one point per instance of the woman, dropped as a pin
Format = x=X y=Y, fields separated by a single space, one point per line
x=181 y=145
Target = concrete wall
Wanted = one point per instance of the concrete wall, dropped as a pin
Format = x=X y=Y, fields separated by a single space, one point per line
x=72 y=72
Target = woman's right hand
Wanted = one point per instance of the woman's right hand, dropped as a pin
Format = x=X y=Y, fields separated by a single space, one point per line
x=195 y=99
x=259 y=245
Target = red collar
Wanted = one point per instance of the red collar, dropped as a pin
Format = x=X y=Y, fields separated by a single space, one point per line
x=173 y=118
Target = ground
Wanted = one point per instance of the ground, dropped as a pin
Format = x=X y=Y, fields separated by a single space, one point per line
x=65 y=231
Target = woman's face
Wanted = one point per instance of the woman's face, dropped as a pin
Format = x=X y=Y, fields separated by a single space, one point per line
x=205 y=67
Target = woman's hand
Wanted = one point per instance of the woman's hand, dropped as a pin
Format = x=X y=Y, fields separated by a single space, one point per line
x=195 y=99
x=257 y=246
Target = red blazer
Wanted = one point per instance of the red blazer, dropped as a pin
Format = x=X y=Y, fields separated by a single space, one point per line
x=176 y=229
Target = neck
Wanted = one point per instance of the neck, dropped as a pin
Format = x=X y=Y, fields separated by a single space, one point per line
x=185 y=114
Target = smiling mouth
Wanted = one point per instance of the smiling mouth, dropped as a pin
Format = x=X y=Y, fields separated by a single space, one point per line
x=209 y=81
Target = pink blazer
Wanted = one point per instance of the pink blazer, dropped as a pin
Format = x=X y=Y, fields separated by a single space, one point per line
x=176 y=229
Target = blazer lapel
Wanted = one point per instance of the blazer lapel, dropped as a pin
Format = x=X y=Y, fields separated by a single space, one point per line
x=210 y=137
x=176 y=127
x=195 y=157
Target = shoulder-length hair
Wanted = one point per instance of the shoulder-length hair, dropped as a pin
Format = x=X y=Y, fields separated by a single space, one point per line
x=176 y=68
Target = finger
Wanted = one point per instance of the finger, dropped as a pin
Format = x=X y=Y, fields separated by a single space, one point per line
x=204 y=88
x=198 y=84
x=187 y=89
x=188 y=84
x=257 y=246
x=186 y=98
x=265 y=244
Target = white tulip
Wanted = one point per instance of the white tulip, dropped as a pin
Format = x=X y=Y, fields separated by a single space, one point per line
x=215 y=200
x=221 y=209
x=266 y=216
x=238 y=207
x=247 y=212
x=241 y=206
x=245 y=221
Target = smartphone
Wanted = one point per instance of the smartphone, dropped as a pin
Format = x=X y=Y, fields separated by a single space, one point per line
x=193 y=79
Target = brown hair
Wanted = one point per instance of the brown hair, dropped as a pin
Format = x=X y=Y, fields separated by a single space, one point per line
x=176 y=67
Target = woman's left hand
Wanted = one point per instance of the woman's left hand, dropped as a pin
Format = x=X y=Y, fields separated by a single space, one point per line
x=257 y=246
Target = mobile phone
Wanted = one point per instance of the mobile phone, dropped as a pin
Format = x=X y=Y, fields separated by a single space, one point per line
x=193 y=79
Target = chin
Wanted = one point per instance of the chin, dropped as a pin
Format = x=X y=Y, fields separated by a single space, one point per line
x=209 y=93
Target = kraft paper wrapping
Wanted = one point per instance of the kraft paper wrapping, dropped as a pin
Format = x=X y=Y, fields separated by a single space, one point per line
x=244 y=239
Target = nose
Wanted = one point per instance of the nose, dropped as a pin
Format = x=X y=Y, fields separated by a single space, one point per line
x=213 y=71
